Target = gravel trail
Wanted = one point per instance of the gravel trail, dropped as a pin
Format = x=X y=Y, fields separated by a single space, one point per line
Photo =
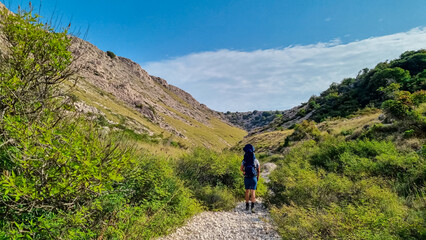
x=235 y=224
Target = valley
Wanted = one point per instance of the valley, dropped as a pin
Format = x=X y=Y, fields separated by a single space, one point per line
x=94 y=147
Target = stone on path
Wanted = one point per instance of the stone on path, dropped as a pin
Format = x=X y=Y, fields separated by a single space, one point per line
x=235 y=224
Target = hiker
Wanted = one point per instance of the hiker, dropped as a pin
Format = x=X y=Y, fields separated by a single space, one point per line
x=251 y=170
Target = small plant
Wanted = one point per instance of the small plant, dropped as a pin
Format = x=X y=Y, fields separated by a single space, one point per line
x=301 y=113
x=409 y=133
x=139 y=105
x=347 y=132
x=305 y=130
x=111 y=54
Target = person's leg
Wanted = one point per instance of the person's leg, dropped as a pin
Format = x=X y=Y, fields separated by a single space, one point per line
x=253 y=193
x=253 y=196
x=247 y=195
x=253 y=200
x=247 y=198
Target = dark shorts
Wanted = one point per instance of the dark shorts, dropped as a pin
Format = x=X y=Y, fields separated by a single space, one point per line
x=250 y=183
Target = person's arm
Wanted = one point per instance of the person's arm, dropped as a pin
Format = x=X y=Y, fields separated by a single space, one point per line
x=258 y=172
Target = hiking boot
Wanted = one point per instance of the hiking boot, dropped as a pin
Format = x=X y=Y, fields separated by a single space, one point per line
x=247 y=207
x=252 y=208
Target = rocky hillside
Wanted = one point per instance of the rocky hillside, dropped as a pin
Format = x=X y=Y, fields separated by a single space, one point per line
x=261 y=121
x=119 y=90
x=252 y=120
x=119 y=94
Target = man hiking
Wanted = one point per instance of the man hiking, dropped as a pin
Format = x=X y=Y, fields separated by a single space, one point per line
x=251 y=170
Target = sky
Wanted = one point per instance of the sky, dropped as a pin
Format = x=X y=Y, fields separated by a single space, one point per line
x=244 y=55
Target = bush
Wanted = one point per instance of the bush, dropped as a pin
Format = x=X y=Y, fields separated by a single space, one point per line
x=217 y=198
x=36 y=62
x=396 y=109
x=301 y=112
x=342 y=222
x=157 y=201
x=303 y=131
x=61 y=177
x=111 y=54
x=336 y=189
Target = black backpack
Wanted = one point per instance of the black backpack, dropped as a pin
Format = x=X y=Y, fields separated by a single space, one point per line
x=250 y=170
x=249 y=167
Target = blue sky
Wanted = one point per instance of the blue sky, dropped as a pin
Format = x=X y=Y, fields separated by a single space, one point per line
x=244 y=55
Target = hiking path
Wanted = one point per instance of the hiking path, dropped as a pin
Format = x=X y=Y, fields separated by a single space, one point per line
x=235 y=224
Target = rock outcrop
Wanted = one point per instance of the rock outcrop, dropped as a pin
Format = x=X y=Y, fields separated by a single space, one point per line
x=161 y=103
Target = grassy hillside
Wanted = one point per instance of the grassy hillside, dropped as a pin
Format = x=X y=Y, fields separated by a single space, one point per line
x=367 y=89
x=216 y=134
x=353 y=179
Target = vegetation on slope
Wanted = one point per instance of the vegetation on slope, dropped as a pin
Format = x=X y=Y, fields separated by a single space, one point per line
x=345 y=98
x=251 y=120
x=363 y=177
x=340 y=100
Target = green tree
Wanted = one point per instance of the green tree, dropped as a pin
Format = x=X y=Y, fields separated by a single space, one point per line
x=36 y=60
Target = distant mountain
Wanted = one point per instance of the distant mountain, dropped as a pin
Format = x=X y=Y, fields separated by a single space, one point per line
x=251 y=120
x=257 y=121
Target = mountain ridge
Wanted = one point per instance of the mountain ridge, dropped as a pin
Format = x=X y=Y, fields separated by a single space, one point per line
x=120 y=89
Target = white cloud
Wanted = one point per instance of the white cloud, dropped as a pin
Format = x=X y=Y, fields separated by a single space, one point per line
x=274 y=79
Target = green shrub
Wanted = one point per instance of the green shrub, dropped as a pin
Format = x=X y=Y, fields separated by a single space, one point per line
x=217 y=198
x=418 y=97
x=342 y=222
x=111 y=54
x=86 y=182
x=409 y=133
x=157 y=201
x=347 y=132
x=396 y=109
x=301 y=112
x=62 y=177
x=338 y=189
x=303 y=131
x=37 y=60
